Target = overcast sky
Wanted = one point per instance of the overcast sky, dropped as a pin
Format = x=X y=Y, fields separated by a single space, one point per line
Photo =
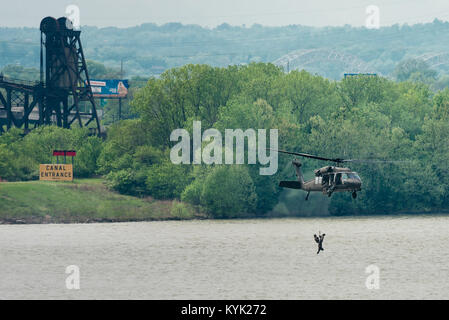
x=210 y=13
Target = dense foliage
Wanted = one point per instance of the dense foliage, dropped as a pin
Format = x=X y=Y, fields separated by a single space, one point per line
x=357 y=117
x=20 y=155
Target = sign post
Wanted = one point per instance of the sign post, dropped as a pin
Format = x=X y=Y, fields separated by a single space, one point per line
x=58 y=172
x=111 y=89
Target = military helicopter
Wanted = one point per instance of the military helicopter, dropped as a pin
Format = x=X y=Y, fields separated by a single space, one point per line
x=328 y=179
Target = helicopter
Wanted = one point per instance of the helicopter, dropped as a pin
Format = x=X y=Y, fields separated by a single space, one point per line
x=328 y=179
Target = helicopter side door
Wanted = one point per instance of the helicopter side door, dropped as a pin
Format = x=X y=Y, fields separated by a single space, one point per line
x=325 y=180
x=338 y=179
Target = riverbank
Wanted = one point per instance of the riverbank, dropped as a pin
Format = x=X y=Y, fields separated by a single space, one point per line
x=89 y=201
x=82 y=201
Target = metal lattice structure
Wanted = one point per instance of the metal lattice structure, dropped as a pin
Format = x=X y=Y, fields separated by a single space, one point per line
x=312 y=59
x=63 y=95
x=18 y=99
x=435 y=60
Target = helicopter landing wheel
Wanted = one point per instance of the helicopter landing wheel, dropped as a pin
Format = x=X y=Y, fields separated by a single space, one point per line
x=354 y=195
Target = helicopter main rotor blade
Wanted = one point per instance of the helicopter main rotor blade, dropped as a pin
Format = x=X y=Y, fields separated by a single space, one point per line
x=306 y=155
x=374 y=161
x=339 y=160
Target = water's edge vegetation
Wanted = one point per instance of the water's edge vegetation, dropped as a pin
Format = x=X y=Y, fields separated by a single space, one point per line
x=90 y=201
x=83 y=201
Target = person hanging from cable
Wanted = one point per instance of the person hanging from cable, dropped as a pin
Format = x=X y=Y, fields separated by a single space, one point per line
x=319 y=239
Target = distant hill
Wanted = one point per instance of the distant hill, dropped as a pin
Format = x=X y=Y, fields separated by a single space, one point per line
x=150 y=49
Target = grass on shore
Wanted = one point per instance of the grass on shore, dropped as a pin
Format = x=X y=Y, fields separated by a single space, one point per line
x=83 y=200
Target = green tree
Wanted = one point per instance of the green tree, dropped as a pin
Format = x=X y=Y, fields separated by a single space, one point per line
x=7 y=167
x=167 y=180
x=229 y=192
x=414 y=70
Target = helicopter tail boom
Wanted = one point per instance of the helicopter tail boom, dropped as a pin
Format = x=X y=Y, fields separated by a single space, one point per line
x=290 y=184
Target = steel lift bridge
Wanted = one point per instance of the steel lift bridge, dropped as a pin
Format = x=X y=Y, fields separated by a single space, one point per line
x=63 y=95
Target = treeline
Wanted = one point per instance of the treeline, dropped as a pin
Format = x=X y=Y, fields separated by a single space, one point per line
x=358 y=117
x=156 y=48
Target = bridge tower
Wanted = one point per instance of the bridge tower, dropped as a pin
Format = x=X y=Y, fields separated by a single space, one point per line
x=66 y=77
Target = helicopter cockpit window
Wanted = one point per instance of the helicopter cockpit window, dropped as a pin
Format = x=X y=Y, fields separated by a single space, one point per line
x=353 y=175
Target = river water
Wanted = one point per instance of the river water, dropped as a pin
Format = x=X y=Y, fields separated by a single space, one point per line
x=234 y=259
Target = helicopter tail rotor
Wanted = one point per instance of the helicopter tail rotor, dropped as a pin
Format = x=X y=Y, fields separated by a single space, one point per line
x=294 y=184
